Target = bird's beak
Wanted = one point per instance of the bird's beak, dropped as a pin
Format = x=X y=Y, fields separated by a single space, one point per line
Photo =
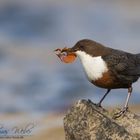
x=69 y=51
x=66 y=55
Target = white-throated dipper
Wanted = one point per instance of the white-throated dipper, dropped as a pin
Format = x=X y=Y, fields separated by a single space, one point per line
x=107 y=68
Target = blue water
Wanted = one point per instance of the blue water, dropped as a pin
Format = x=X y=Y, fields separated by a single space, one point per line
x=31 y=76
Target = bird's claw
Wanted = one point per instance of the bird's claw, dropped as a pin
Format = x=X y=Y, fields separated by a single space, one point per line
x=120 y=113
x=90 y=101
x=98 y=105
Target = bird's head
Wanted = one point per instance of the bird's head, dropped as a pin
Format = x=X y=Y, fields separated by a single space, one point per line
x=88 y=47
x=81 y=48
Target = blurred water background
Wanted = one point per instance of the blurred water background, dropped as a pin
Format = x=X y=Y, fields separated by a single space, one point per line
x=32 y=79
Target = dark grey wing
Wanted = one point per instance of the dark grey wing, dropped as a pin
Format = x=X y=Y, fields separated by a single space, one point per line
x=123 y=63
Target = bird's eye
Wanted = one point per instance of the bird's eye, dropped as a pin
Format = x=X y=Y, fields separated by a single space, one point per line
x=81 y=47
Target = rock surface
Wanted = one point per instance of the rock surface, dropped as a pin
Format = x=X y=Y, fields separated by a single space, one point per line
x=86 y=121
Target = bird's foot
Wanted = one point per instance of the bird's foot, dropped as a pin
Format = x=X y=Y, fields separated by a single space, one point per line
x=120 y=113
x=99 y=104
x=91 y=102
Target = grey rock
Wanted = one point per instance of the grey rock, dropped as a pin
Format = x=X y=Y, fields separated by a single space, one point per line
x=86 y=121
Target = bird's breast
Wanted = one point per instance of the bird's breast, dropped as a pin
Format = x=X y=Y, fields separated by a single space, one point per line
x=97 y=71
x=94 y=67
x=106 y=81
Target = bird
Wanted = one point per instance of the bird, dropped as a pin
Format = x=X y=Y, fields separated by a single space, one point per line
x=108 y=68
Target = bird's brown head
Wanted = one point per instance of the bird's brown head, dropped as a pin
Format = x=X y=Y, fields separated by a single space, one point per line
x=87 y=46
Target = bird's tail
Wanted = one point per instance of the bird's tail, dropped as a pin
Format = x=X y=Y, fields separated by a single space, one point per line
x=138 y=56
x=138 y=60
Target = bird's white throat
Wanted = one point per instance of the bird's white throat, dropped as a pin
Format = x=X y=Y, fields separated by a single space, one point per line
x=93 y=66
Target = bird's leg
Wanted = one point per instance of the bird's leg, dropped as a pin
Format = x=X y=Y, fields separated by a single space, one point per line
x=125 y=108
x=128 y=97
x=99 y=104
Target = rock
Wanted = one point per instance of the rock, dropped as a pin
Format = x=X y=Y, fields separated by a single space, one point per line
x=86 y=121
